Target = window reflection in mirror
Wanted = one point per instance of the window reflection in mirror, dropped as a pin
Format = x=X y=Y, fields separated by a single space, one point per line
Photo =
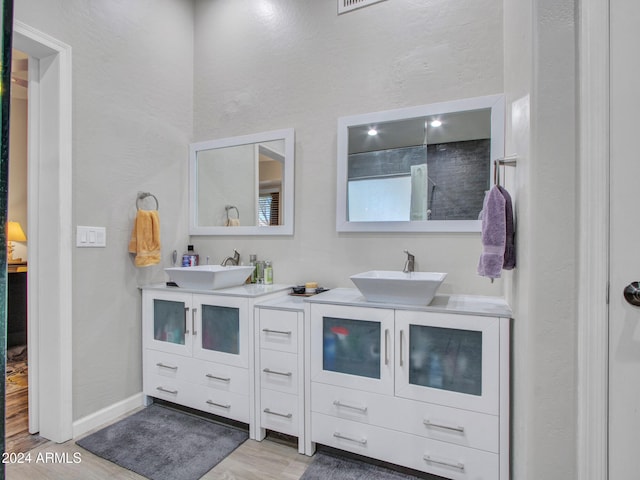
x=424 y=168
x=242 y=185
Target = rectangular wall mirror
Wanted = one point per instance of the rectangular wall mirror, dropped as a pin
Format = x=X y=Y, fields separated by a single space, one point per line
x=418 y=169
x=242 y=185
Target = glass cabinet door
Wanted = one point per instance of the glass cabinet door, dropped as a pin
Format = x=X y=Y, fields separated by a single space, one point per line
x=167 y=323
x=448 y=359
x=352 y=347
x=221 y=333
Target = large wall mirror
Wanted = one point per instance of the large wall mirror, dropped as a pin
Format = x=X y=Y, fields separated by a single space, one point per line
x=418 y=169
x=242 y=185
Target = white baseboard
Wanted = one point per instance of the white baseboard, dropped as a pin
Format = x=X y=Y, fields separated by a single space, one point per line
x=107 y=414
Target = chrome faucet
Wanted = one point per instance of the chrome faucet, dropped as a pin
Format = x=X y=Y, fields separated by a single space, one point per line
x=409 y=265
x=235 y=260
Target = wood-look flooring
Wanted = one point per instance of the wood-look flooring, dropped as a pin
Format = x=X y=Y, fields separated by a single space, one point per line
x=17 y=436
x=266 y=460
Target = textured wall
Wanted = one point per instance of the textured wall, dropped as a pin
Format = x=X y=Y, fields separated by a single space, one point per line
x=295 y=63
x=132 y=122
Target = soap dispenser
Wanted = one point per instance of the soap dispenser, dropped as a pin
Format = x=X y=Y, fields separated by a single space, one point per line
x=190 y=258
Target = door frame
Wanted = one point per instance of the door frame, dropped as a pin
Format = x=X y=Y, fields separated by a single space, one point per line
x=593 y=277
x=50 y=232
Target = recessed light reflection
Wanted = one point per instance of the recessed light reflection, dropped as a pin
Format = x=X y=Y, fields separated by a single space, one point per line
x=436 y=123
x=372 y=132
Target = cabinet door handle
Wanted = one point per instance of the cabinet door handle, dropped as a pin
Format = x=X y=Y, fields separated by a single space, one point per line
x=222 y=405
x=275 y=372
x=166 y=390
x=193 y=320
x=361 y=441
x=456 y=465
x=163 y=365
x=429 y=423
x=386 y=346
x=401 y=342
x=214 y=377
x=186 y=320
x=271 y=412
x=281 y=332
x=338 y=403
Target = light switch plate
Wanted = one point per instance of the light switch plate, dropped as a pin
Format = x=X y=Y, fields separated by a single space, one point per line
x=91 y=236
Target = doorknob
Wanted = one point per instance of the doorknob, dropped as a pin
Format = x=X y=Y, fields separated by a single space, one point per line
x=632 y=293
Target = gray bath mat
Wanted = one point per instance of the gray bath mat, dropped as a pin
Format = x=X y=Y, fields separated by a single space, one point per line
x=331 y=465
x=164 y=444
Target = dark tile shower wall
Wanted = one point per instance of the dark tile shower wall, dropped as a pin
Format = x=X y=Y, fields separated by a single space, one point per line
x=458 y=174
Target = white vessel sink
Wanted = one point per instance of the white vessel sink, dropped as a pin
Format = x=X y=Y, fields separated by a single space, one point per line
x=209 y=277
x=413 y=288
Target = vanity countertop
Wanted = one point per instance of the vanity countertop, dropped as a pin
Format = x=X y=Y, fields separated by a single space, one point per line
x=462 y=304
x=250 y=290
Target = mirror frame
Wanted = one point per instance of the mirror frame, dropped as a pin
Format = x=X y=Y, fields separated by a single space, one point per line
x=286 y=228
x=494 y=102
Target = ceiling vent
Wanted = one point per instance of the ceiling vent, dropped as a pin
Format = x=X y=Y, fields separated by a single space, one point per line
x=348 y=5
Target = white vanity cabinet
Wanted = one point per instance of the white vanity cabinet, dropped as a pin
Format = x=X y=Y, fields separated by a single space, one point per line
x=422 y=387
x=198 y=348
x=280 y=328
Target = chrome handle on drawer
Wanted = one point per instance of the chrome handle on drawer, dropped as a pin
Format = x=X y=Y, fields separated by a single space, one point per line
x=193 y=320
x=170 y=367
x=186 y=326
x=281 y=332
x=386 y=346
x=218 y=404
x=361 y=441
x=166 y=390
x=285 y=415
x=401 y=341
x=214 y=377
x=338 y=403
x=429 y=423
x=457 y=465
x=284 y=374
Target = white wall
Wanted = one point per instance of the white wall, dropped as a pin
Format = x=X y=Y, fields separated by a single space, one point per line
x=132 y=122
x=264 y=65
x=540 y=85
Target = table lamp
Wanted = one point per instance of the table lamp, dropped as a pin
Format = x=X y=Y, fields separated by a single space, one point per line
x=14 y=234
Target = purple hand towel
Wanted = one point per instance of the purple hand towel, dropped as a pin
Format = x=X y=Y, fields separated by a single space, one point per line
x=493 y=235
x=510 y=232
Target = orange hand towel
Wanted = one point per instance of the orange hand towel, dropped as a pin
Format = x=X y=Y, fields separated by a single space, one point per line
x=145 y=238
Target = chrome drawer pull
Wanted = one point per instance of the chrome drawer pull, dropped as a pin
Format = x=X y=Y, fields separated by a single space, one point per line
x=338 y=403
x=361 y=441
x=218 y=404
x=193 y=320
x=170 y=367
x=458 y=466
x=429 y=423
x=222 y=379
x=281 y=332
x=285 y=415
x=284 y=374
x=186 y=326
x=165 y=390
x=386 y=347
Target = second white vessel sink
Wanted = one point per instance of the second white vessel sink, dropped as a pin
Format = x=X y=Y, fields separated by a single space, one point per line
x=209 y=277
x=412 y=288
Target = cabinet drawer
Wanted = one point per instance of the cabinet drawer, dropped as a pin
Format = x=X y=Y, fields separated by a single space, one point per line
x=222 y=377
x=279 y=371
x=279 y=330
x=226 y=404
x=439 y=458
x=167 y=365
x=451 y=425
x=279 y=412
x=169 y=389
